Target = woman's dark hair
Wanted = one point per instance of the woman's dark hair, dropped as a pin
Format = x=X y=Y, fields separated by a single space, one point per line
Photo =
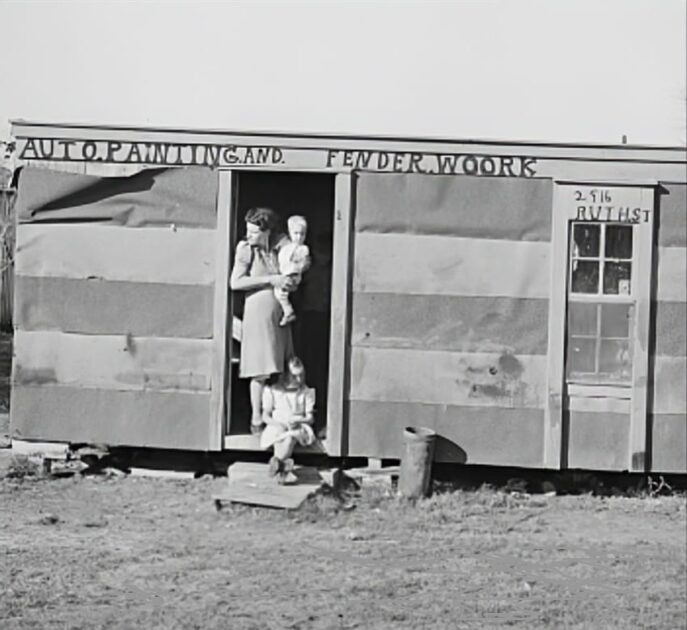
x=264 y=218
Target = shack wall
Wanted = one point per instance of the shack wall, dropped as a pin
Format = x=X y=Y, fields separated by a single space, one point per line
x=449 y=315
x=668 y=387
x=114 y=308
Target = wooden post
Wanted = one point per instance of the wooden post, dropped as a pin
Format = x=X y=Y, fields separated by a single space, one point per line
x=220 y=317
x=337 y=439
x=7 y=221
x=553 y=412
x=637 y=456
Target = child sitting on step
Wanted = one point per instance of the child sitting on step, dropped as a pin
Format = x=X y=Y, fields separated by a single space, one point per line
x=287 y=410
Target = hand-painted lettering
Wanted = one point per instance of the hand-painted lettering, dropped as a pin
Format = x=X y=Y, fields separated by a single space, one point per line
x=219 y=155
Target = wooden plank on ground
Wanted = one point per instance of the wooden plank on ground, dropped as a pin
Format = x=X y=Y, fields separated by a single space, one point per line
x=250 y=483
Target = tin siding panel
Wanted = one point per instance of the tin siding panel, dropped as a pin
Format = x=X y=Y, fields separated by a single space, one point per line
x=100 y=307
x=672 y=225
x=472 y=435
x=450 y=315
x=121 y=362
x=671 y=331
x=105 y=416
x=152 y=197
x=448 y=378
x=444 y=322
x=668 y=419
x=669 y=443
x=471 y=207
x=445 y=265
x=175 y=256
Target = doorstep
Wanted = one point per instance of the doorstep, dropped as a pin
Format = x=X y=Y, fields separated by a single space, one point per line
x=250 y=442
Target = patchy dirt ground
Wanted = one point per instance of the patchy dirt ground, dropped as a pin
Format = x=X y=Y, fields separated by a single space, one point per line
x=96 y=552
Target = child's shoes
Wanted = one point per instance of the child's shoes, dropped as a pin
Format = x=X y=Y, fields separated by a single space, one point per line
x=275 y=466
x=287 y=319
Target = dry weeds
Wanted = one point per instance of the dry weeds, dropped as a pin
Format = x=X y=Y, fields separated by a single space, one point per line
x=104 y=552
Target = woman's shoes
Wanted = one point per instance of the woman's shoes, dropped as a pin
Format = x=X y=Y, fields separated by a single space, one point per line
x=256 y=429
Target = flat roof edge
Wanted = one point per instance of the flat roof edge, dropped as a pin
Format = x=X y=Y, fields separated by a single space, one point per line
x=346 y=136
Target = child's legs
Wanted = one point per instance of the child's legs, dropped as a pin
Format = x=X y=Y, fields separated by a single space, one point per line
x=284 y=447
x=283 y=299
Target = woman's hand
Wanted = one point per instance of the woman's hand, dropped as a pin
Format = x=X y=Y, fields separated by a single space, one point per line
x=282 y=282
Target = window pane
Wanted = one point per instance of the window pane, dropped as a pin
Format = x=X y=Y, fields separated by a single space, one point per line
x=585 y=276
x=617 y=278
x=582 y=318
x=619 y=241
x=615 y=359
x=615 y=320
x=586 y=238
x=581 y=355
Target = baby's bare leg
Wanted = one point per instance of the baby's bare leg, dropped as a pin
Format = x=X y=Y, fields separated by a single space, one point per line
x=287 y=309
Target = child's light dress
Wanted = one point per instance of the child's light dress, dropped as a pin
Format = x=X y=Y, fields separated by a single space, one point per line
x=283 y=404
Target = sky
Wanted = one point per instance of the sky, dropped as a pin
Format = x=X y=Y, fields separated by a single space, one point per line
x=544 y=70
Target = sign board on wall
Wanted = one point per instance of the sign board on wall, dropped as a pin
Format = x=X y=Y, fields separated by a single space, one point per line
x=232 y=155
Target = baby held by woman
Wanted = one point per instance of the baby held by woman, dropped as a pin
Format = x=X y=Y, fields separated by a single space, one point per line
x=294 y=261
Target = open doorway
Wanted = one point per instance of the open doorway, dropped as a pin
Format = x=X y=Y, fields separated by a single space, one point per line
x=310 y=195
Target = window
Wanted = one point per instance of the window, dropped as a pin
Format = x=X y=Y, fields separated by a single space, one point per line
x=600 y=305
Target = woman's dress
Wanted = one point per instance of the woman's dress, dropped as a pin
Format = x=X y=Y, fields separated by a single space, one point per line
x=265 y=345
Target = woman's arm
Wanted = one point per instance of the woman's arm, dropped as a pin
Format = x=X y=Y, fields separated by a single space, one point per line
x=241 y=281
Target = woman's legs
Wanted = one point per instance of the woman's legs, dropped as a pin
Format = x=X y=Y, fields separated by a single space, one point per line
x=257 y=384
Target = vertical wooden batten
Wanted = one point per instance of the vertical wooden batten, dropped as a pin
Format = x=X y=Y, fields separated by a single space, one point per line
x=553 y=411
x=337 y=438
x=218 y=399
x=638 y=459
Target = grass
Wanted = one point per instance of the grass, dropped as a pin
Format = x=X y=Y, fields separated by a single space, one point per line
x=145 y=553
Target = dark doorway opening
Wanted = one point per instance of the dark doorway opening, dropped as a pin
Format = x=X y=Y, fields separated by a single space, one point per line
x=310 y=195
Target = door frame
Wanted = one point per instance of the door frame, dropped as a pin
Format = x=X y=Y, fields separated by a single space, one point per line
x=339 y=347
x=564 y=210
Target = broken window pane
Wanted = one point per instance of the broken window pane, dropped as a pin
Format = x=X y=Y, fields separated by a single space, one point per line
x=586 y=239
x=615 y=320
x=619 y=241
x=585 y=276
x=581 y=355
x=617 y=278
x=582 y=318
x=615 y=359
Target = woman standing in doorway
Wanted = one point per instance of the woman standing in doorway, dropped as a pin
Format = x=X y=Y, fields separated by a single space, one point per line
x=265 y=345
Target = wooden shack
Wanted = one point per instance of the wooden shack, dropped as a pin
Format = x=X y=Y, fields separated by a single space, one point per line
x=525 y=300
